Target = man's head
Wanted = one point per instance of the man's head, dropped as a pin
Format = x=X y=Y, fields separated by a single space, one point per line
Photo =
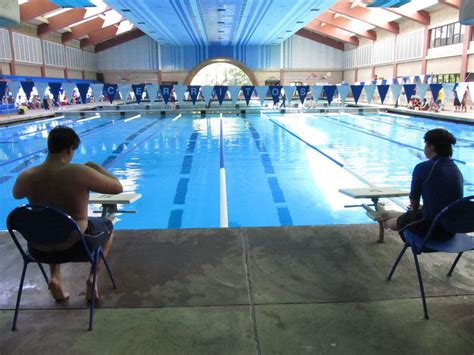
x=440 y=141
x=62 y=139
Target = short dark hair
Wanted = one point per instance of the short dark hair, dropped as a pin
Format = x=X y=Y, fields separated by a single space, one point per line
x=442 y=140
x=62 y=138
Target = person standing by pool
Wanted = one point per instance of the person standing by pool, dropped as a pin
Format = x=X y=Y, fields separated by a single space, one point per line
x=464 y=101
x=59 y=183
x=457 y=103
x=438 y=181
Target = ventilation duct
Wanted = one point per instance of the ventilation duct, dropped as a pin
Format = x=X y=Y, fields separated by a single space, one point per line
x=466 y=12
x=10 y=14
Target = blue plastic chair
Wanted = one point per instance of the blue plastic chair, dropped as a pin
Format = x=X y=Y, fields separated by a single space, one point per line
x=45 y=226
x=457 y=219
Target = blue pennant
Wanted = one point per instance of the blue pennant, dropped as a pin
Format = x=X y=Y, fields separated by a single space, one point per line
x=54 y=88
x=435 y=89
x=27 y=88
x=138 y=91
x=194 y=92
x=110 y=90
x=247 y=91
x=302 y=92
x=220 y=92
x=3 y=88
x=409 y=90
x=383 y=90
x=83 y=89
x=166 y=91
x=329 y=90
x=356 y=92
x=275 y=91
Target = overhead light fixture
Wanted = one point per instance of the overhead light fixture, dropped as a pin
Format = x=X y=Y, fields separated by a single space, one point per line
x=289 y=31
x=299 y=22
x=314 y=10
x=221 y=23
x=220 y=9
x=141 y=23
x=125 y=10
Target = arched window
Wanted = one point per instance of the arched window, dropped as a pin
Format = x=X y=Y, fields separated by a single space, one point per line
x=220 y=72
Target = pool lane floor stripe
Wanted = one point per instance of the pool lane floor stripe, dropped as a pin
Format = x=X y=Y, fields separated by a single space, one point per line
x=284 y=215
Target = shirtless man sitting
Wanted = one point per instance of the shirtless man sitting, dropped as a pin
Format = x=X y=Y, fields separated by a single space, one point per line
x=59 y=183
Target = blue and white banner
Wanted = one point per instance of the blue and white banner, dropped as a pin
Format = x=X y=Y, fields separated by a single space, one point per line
x=421 y=90
x=369 y=92
x=343 y=91
x=54 y=88
x=461 y=89
x=83 y=88
x=69 y=89
x=41 y=87
x=124 y=90
x=152 y=90
x=179 y=90
x=220 y=93
x=97 y=90
x=302 y=92
x=166 y=92
x=27 y=87
x=396 y=91
x=234 y=92
x=383 y=90
x=275 y=91
x=193 y=92
x=138 y=90
x=409 y=90
x=448 y=89
x=247 y=90
x=110 y=91
x=3 y=88
x=206 y=92
x=435 y=89
x=316 y=91
x=471 y=90
x=356 y=92
x=289 y=92
x=330 y=90
x=261 y=93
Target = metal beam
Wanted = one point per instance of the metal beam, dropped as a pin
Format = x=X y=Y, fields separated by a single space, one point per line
x=320 y=38
x=128 y=36
x=331 y=31
x=347 y=25
x=32 y=9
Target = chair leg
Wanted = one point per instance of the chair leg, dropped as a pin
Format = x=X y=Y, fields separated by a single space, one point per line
x=454 y=264
x=420 y=281
x=396 y=262
x=94 y=280
x=18 y=298
x=107 y=268
x=44 y=273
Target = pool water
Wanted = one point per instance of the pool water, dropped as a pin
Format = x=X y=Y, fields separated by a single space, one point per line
x=281 y=169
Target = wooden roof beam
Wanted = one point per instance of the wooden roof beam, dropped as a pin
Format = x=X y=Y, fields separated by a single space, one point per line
x=64 y=19
x=115 y=41
x=32 y=9
x=456 y=4
x=333 y=32
x=348 y=25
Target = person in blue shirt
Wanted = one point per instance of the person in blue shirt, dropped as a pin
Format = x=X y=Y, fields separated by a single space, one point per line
x=437 y=181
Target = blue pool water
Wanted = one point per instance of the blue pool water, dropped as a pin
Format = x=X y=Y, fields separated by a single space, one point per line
x=281 y=169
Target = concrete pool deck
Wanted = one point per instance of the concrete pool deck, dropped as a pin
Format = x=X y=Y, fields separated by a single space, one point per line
x=281 y=290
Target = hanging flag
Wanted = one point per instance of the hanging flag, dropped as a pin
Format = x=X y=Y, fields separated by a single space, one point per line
x=356 y=92
x=247 y=90
x=343 y=91
x=206 y=92
x=383 y=90
x=316 y=91
x=54 y=88
x=448 y=89
x=41 y=87
x=471 y=90
x=405 y=79
x=220 y=93
x=69 y=89
x=330 y=90
x=111 y=90
x=461 y=88
x=275 y=91
x=138 y=90
x=409 y=90
x=302 y=92
x=97 y=90
x=426 y=78
x=369 y=92
x=83 y=89
x=289 y=92
x=180 y=90
x=152 y=90
x=193 y=92
x=421 y=90
x=234 y=92
x=416 y=79
x=395 y=81
x=166 y=92
x=124 y=90
x=396 y=91
x=435 y=89
x=27 y=87
x=261 y=93
x=3 y=89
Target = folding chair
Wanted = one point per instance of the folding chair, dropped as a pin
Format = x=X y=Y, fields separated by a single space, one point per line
x=45 y=226
x=457 y=219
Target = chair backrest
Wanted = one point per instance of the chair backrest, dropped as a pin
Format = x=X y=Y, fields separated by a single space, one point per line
x=458 y=217
x=42 y=225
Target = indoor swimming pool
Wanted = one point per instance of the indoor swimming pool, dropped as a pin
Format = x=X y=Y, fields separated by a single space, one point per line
x=281 y=169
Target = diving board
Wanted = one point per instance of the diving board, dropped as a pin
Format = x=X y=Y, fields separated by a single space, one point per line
x=109 y=202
